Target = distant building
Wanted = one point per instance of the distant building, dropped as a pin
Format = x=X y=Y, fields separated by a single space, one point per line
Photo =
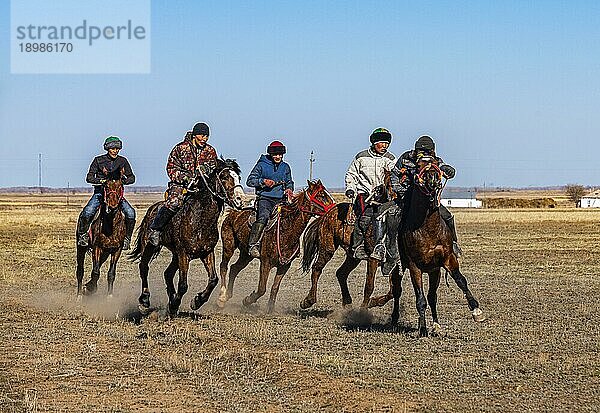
x=591 y=200
x=454 y=198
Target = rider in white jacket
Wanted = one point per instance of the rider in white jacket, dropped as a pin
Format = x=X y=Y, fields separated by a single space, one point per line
x=364 y=185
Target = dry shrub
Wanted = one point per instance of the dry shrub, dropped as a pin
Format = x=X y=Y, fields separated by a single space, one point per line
x=519 y=203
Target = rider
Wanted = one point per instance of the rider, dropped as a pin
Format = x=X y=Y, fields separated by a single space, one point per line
x=406 y=168
x=101 y=167
x=272 y=179
x=364 y=185
x=187 y=160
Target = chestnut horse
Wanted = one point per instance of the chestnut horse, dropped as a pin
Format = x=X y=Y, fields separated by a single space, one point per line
x=280 y=243
x=322 y=238
x=426 y=246
x=192 y=233
x=107 y=233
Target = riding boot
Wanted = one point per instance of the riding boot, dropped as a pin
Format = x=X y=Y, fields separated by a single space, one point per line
x=254 y=239
x=379 y=232
x=455 y=248
x=163 y=216
x=129 y=226
x=358 y=238
x=392 y=222
x=83 y=226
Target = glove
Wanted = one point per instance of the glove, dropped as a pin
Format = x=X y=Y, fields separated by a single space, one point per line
x=448 y=171
x=350 y=193
x=268 y=182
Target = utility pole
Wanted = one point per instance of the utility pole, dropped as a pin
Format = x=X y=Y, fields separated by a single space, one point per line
x=68 y=190
x=312 y=160
x=40 y=172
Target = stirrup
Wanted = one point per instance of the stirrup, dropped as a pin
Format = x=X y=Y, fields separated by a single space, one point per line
x=254 y=251
x=154 y=237
x=456 y=249
x=83 y=240
x=378 y=252
x=126 y=243
x=360 y=253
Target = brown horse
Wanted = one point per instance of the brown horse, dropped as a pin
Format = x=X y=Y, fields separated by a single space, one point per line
x=192 y=233
x=107 y=233
x=322 y=238
x=426 y=246
x=279 y=246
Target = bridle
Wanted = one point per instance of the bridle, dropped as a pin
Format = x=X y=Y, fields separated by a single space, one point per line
x=118 y=192
x=422 y=181
x=220 y=192
x=314 y=201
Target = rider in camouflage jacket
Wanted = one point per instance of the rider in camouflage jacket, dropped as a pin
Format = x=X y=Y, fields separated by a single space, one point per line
x=188 y=159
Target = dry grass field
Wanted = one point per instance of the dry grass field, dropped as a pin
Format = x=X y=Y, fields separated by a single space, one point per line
x=535 y=273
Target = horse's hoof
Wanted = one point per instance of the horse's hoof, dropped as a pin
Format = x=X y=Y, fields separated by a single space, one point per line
x=478 y=315
x=144 y=310
x=437 y=330
x=79 y=298
x=247 y=301
x=306 y=303
x=197 y=302
x=423 y=332
x=221 y=303
x=109 y=297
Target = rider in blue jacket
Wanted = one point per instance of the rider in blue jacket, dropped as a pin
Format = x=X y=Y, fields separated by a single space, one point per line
x=272 y=179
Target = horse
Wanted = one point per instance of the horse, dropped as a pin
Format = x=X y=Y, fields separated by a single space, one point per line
x=192 y=233
x=280 y=243
x=425 y=243
x=321 y=239
x=107 y=233
x=333 y=230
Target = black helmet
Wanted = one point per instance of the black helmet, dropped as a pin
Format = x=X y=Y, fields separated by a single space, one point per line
x=380 y=135
x=425 y=143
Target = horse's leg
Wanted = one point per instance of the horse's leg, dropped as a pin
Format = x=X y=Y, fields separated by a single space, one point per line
x=265 y=269
x=461 y=281
x=396 y=287
x=168 y=275
x=112 y=271
x=228 y=250
x=241 y=263
x=183 y=264
x=434 y=283
x=144 y=299
x=80 y=269
x=281 y=270
x=372 y=265
x=213 y=280
x=416 y=277
x=342 y=273
x=92 y=285
x=317 y=268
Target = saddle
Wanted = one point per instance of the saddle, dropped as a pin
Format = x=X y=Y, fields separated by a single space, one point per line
x=272 y=219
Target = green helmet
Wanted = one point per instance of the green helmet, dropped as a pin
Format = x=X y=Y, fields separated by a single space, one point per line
x=112 y=142
x=425 y=143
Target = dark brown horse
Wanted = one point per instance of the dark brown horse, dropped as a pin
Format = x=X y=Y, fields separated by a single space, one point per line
x=107 y=233
x=426 y=246
x=279 y=246
x=322 y=238
x=192 y=233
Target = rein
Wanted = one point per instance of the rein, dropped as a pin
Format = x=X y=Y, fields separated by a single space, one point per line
x=422 y=184
x=219 y=184
x=119 y=192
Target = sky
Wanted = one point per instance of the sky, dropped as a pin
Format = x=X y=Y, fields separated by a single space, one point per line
x=509 y=90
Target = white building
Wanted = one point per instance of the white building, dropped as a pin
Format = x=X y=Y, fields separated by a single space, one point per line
x=460 y=199
x=591 y=200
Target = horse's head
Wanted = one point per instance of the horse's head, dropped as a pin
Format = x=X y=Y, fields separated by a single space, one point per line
x=226 y=177
x=113 y=189
x=429 y=178
x=319 y=199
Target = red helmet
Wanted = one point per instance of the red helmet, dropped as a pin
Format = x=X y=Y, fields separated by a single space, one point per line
x=276 y=148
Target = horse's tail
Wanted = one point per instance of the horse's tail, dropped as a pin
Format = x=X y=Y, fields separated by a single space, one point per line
x=138 y=250
x=311 y=244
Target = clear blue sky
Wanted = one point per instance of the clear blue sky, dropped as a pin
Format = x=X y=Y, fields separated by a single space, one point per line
x=510 y=90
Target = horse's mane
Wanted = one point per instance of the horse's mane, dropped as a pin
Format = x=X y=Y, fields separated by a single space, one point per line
x=232 y=164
